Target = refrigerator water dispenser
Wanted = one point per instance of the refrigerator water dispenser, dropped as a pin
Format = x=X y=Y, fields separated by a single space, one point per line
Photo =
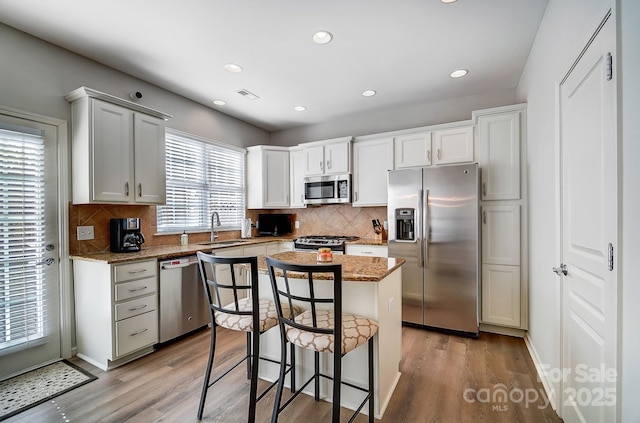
x=405 y=224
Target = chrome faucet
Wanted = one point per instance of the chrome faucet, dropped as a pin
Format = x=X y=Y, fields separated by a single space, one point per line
x=215 y=221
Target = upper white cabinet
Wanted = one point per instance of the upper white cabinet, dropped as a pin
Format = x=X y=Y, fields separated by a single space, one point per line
x=118 y=152
x=372 y=159
x=296 y=177
x=499 y=143
x=439 y=147
x=327 y=157
x=267 y=177
x=453 y=145
x=413 y=150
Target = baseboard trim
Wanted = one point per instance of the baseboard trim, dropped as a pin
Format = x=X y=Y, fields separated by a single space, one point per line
x=546 y=384
x=501 y=330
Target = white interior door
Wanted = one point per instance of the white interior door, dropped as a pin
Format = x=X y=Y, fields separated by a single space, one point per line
x=30 y=333
x=589 y=226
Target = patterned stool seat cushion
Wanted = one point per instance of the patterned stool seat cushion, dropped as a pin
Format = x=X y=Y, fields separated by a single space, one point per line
x=356 y=331
x=268 y=315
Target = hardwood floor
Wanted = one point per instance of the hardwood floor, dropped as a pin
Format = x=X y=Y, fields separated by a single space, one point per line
x=445 y=378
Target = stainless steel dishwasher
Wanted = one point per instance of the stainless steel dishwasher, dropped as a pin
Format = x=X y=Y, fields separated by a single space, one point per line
x=183 y=304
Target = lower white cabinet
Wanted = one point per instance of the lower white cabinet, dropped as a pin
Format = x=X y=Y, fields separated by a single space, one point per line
x=501 y=295
x=366 y=250
x=116 y=311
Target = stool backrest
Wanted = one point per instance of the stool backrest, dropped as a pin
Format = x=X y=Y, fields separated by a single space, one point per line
x=218 y=290
x=294 y=284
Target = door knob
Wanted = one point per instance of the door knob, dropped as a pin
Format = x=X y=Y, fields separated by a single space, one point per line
x=562 y=270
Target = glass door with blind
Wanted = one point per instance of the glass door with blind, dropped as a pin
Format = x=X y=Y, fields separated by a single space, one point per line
x=30 y=333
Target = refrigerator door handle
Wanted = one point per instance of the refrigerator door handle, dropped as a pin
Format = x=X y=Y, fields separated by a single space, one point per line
x=425 y=234
x=418 y=229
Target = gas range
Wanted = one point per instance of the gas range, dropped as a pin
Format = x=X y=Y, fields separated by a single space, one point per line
x=313 y=242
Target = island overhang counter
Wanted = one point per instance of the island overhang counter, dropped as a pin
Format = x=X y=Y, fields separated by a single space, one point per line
x=372 y=288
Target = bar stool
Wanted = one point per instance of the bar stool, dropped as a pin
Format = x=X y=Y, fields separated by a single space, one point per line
x=320 y=328
x=239 y=315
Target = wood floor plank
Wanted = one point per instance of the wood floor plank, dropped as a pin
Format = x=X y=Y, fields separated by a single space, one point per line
x=445 y=378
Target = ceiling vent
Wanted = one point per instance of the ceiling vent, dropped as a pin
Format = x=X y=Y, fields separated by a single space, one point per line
x=248 y=94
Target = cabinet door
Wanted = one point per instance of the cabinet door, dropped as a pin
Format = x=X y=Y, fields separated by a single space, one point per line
x=112 y=145
x=499 y=144
x=149 y=158
x=276 y=178
x=371 y=162
x=453 y=145
x=501 y=235
x=337 y=158
x=413 y=150
x=501 y=295
x=296 y=178
x=367 y=250
x=314 y=160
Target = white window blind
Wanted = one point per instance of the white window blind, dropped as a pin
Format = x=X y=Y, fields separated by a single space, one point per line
x=202 y=177
x=22 y=238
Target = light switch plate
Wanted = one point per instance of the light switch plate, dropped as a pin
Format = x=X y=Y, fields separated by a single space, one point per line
x=385 y=225
x=85 y=233
x=297 y=224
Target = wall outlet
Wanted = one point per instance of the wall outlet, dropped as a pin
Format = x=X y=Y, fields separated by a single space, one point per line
x=85 y=233
x=297 y=224
x=390 y=305
x=385 y=225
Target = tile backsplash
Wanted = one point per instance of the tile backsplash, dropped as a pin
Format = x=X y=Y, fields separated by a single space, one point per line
x=342 y=219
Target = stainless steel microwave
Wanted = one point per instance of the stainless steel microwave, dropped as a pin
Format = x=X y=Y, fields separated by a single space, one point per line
x=327 y=189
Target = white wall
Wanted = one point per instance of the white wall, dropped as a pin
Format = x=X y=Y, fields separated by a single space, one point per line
x=36 y=75
x=629 y=102
x=564 y=31
x=403 y=117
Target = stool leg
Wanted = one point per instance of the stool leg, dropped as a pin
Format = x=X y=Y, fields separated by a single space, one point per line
x=316 y=369
x=207 y=375
x=337 y=378
x=293 y=368
x=371 y=386
x=283 y=368
x=249 y=343
x=254 y=360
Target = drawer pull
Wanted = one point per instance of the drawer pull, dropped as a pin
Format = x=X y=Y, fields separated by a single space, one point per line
x=139 y=332
x=133 y=272
x=140 y=307
x=138 y=289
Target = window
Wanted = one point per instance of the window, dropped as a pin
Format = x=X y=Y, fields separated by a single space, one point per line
x=23 y=299
x=202 y=177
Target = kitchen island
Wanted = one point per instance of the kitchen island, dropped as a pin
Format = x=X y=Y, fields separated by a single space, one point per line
x=371 y=288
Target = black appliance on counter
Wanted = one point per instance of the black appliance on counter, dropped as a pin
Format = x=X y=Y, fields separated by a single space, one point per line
x=125 y=235
x=311 y=243
x=274 y=224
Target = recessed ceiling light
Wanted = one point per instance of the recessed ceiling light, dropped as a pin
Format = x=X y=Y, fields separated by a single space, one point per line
x=459 y=73
x=448 y=1
x=322 y=37
x=368 y=93
x=299 y=108
x=233 y=68
x=219 y=102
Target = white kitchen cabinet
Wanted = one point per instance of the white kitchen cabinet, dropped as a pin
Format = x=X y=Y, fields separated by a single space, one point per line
x=267 y=177
x=372 y=159
x=501 y=234
x=499 y=155
x=116 y=311
x=413 y=150
x=296 y=178
x=366 y=250
x=327 y=157
x=501 y=295
x=285 y=246
x=454 y=145
x=118 y=150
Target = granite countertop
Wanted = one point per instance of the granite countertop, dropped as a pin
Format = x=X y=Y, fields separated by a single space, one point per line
x=354 y=268
x=173 y=251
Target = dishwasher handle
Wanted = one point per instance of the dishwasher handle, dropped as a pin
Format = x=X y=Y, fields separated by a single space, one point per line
x=179 y=263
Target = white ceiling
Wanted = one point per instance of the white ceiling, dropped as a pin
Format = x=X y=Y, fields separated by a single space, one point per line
x=403 y=49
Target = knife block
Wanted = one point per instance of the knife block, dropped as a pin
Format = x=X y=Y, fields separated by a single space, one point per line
x=377 y=238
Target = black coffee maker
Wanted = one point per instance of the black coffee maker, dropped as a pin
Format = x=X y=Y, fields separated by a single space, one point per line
x=125 y=235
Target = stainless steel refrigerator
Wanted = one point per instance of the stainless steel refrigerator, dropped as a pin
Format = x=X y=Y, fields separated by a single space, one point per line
x=433 y=217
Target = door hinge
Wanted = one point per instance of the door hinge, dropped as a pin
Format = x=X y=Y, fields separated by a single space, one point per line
x=609 y=67
x=610 y=257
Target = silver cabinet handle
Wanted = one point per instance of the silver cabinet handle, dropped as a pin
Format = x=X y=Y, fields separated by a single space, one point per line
x=133 y=272
x=139 y=332
x=138 y=289
x=484 y=189
x=140 y=190
x=321 y=165
x=355 y=196
x=562 y=270
x=328 y=164
x=126 y=189
x=429 y=155
x=438 y=154
x=484 y=217
x=140 y=307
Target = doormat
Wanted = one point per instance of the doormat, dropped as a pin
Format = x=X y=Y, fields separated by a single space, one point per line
x=40 y=385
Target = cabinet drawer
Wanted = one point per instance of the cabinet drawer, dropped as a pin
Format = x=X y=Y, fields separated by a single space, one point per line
x=367 y=250
x=136 y=332
x=135 y=307
x=135 y=270
x=133 y=289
